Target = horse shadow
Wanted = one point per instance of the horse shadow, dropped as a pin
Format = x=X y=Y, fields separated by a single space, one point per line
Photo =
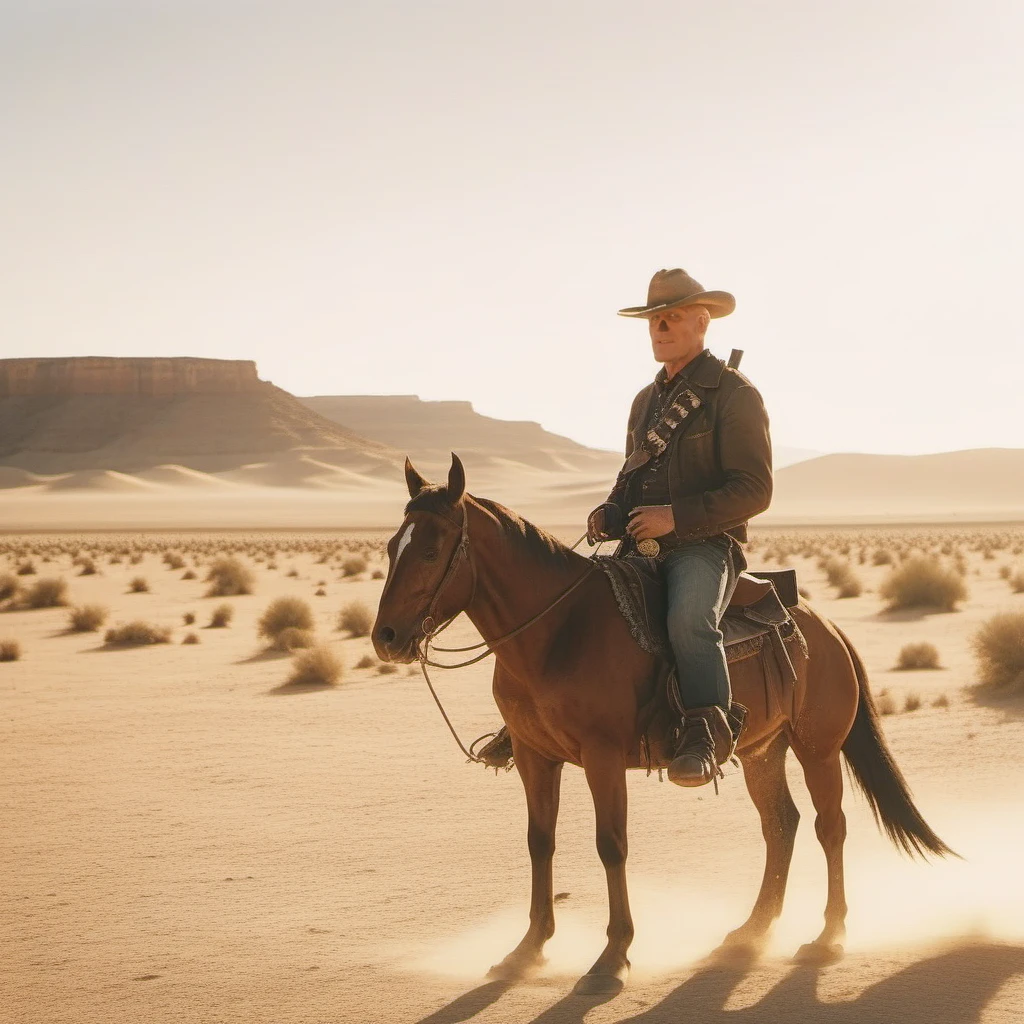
x=951 y=987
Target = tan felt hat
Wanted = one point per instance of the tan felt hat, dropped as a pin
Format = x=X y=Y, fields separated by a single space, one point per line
x=671 y=288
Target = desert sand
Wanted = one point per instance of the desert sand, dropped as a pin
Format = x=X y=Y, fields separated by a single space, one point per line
x=187 y=839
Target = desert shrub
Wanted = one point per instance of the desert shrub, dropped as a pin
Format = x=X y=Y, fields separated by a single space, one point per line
x=385 y=668
x=10 y=650
x=137 y=634
x=366 y=661
x=138 y=585
x=921 y=582
x=26 y=568
x=189 y=575
x=292 y=639
x=999 y=649
x=48 y=592
x=922 y=655
x=229 y=577
x=881 y=557
x=320 y=592
x=851 y=586
x=188 y=618
x=356 y=618
x=885 y=703
x=842 y=577
x=9 y=586
x=292 y=573
x=190 y=638
x=87 y=618
x=942 y=701
x=221 y=616
x=86 y=566
x=911 y=702
x=284 y=613
x=1016 y=581
x=353 y=566
x=174 y=561
x=317 y=666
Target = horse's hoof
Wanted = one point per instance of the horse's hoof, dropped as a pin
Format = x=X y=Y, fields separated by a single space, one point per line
x=602 y=984
x=737 y=953
x=819 y=954
x=515 y=968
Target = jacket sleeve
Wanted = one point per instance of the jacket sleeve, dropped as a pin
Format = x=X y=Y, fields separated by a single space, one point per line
x=745 y=453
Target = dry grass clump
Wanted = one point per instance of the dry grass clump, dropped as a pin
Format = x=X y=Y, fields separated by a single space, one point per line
x=190 y=638
x=911 y=702
x=354 y=566
x=138 y=585
x=942 y=701
x=355 y=618
x=377 y=574
x=189 y=575
x=9 y=587
x=317 y=666
x=137 y=634
x=174 y=561
x=48 y=592
x=366 y=661
x=999 y=649
x=921 y=582
x=1016 y=581
x=221 y=616
x=86 y=566
x=229 y=577
x=291 y=638
x=885 y=703
x=922 y=655
x=188 y=618
x=87 y=618
x=10 y=650
x=285 y=613
x=841 y=576
x=386 y=668
x=26 y=568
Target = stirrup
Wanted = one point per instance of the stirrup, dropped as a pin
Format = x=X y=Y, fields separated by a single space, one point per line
x=496 y=753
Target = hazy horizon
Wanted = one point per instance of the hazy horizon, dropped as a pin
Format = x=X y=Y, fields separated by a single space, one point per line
x=451 y=202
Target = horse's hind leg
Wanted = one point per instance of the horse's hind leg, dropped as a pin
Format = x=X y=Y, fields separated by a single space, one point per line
x=824 y=778
x=764 y=772
x=541 y=780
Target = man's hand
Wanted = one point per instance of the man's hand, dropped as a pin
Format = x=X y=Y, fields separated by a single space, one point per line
x=596 y=526
x=650 y=521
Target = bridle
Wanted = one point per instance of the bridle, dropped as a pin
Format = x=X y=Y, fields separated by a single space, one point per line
x=430 y=629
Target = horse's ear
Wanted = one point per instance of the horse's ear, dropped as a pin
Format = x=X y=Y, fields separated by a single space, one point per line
x=456 y=480
x=413 y=480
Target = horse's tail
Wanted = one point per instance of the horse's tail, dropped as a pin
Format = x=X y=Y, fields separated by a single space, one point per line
x=879 y=777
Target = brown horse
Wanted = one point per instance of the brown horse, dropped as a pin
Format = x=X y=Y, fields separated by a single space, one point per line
x=575 y=687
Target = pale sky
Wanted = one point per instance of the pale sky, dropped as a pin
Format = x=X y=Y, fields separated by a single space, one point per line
x=451 y=199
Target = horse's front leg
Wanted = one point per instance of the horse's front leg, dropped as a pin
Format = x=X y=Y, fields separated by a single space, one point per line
x=606 y=775
x=541 y=780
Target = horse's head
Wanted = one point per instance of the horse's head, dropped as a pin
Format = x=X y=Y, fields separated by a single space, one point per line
x=430 y=577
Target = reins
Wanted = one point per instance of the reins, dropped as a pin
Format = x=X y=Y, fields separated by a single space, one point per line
x=430 y=630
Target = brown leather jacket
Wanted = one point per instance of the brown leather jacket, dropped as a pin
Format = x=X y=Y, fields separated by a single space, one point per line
x=720 y=469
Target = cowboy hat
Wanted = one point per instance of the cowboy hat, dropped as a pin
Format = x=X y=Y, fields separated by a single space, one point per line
x=671 y=288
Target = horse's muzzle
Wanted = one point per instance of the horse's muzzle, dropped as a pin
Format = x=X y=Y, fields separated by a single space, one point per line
x=389 y=648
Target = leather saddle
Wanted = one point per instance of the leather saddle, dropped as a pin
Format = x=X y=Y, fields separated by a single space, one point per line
x=759 y=605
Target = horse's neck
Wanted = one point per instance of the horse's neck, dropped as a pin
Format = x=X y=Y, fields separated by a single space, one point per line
x=512 y=587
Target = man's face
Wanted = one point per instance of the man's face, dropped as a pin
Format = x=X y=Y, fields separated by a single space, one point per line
x=677 y=334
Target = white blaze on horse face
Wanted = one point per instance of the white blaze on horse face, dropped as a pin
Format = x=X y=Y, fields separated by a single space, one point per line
x=403 y=542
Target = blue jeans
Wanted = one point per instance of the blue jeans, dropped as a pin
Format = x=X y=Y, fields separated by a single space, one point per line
x=700 y=578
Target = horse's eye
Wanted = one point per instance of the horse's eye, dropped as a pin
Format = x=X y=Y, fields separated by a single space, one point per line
x=430 y=555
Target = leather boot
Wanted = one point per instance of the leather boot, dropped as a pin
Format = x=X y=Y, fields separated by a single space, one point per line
x=497 y=752
x=706 y=742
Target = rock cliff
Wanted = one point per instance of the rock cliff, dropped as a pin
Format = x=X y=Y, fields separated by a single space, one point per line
x=103 y=375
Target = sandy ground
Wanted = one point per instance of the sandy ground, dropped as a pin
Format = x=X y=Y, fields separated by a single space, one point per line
x=186 y=840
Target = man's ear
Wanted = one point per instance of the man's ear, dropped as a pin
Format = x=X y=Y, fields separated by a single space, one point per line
x=413 y=480
x=456 y=480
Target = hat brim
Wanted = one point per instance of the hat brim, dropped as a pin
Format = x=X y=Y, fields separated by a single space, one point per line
x=717 y=304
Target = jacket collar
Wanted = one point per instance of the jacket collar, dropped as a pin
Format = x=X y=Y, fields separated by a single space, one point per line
x=704 y=370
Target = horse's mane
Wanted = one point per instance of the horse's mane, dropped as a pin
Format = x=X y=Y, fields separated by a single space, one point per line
x=528 y=539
